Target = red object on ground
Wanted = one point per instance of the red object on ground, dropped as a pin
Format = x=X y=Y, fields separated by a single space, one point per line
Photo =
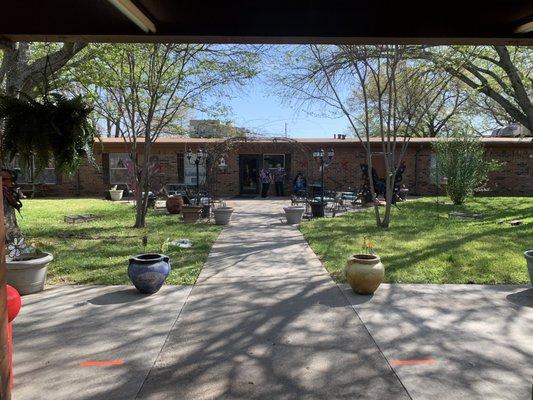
x=13 y=307
x=413 y=362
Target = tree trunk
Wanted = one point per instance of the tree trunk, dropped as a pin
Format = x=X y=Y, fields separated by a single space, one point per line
x=142 y=198
x=389 y=187
x=371 y=182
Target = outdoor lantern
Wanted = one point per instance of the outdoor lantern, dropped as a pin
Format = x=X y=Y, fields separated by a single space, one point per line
x=331 y=153
x=189 y=154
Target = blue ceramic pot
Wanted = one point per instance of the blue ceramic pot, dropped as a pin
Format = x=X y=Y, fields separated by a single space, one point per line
x=148 y=271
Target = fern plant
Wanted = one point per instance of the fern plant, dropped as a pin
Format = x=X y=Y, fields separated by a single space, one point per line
x=56 y=128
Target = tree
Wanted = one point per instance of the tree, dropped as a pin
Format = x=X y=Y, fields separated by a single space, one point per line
x=501 y=73
x=445 y=108
x=386 y=103
x=25 y=70
x=461 y=159
x=144 y=88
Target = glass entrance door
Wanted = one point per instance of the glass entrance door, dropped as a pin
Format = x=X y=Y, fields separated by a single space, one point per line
x=249 y=166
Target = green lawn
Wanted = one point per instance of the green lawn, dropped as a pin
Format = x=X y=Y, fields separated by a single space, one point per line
x=97 y=252
x=423 y=245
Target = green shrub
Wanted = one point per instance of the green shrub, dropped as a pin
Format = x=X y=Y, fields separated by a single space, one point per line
x=461 y=159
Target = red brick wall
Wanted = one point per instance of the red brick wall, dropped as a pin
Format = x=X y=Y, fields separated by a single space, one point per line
x=514 y=178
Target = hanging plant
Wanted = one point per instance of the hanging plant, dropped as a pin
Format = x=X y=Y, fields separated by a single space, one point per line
x=56 y=128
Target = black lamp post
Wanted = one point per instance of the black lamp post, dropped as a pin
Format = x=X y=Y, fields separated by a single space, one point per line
x=324 y=159
x=197 y=159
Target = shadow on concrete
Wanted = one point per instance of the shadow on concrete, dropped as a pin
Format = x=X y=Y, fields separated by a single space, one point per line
x=119 y=297
x=60 y=328
x=523 y=298
x=472 y=340
x=265 y=321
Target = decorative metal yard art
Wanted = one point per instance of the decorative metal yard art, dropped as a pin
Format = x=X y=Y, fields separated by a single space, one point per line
x=379 y=184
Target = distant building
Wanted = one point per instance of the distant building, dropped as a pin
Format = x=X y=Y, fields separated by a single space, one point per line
x=511 y=130
x=239 y=173
x=214 y=128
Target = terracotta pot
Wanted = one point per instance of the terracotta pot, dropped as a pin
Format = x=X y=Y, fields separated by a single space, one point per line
x=191 y=214
x=364 y=273
x=174 y=204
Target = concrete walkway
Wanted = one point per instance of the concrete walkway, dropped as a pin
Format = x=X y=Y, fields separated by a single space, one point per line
x=90 y=342
x=265 y=321
x=454 y=342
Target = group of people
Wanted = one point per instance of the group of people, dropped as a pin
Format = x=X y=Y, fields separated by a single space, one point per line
x=277 y=176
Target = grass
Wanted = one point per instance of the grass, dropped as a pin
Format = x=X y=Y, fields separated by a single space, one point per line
x=423 y=245
x=97 y=252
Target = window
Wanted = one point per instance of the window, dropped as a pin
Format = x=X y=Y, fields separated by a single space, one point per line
x=48 y=176
x=25 y=176
x=271 y=161
x=119 y=164
x=180 y=166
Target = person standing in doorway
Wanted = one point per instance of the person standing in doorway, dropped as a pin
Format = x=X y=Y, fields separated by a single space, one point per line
x=279 y=178
x=265 y=178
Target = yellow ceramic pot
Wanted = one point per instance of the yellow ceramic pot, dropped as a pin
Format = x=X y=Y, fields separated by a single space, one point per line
x=364 y=273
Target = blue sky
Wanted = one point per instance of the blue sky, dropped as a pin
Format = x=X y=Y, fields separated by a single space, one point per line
x=259 y=108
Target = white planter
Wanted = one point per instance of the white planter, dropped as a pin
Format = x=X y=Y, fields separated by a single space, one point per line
x=116 y=195
x=529 y=259
x=222 y=215
x=294 y=214
x=28 y=276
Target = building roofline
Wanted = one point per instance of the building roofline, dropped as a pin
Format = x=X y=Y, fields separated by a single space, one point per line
x=186 y=140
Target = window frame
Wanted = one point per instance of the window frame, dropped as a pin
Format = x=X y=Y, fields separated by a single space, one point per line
x=112 y=168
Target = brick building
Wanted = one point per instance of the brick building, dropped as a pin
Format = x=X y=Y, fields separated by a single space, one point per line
x=234 y=165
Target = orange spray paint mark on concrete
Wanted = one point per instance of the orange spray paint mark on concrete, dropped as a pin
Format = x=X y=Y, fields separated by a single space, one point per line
x=412 y=362
x=101 y=363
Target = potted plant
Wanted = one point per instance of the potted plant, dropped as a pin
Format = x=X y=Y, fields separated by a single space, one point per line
x=26 y=266
x=148 y=271
x=317 y=208
x=529 y=259
x=294 y=214
x=222 y=214
x=55 y=129
x=191 y=213
x=116 y=194
x=174 y=204
x=365 y=272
